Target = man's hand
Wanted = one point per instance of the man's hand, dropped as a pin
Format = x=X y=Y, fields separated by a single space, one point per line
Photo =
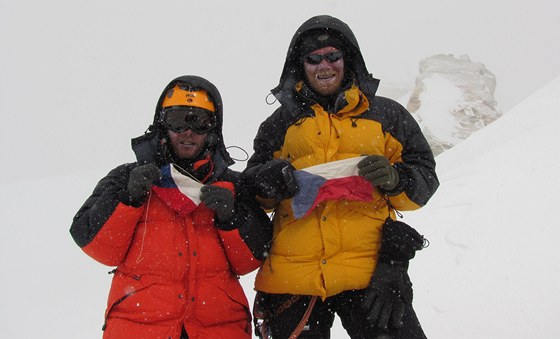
x=273 y=180
x=389 y=291
x=141 y=178
x=220 y=200
x=377 y=170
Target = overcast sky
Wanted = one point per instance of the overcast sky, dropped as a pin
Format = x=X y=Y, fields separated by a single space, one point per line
x=80 y=78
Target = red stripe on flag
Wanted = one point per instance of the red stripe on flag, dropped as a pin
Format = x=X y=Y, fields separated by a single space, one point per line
x=354 y=188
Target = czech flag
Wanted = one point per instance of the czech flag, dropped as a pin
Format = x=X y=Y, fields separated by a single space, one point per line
x=336 y=180
x=179 y=191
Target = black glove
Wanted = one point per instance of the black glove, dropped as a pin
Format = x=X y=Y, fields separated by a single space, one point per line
x=273 y=180
x=141 y=178
x=220 y=200
x=377 y=170
x=390 y=288
x=399 y=242
x=389 y=291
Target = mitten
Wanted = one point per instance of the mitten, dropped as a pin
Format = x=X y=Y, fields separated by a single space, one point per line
x=140 y=180
x=377 y=170
x=220 y=200
x=272 y=180
x=399 y=242
x=387 y=295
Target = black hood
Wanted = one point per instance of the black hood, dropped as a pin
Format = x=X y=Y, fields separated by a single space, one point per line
x=150 y=146
x=293 y=67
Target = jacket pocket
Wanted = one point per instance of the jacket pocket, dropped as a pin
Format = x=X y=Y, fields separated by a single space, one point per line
x=222 y=301
x=144 y=300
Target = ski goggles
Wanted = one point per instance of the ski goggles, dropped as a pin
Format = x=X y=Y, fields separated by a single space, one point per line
x=180 y=119
x=315 y=59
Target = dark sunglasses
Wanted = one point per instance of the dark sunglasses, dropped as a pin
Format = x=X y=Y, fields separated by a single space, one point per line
x=180 y=119
x=315 y=59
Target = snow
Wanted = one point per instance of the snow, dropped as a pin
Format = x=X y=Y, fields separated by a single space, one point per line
x=80 y=78
x=491 y=270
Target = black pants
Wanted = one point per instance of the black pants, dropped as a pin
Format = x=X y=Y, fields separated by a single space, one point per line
x=286 y=311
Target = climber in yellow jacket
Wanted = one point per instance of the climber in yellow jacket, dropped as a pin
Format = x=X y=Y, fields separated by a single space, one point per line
x=329 y=112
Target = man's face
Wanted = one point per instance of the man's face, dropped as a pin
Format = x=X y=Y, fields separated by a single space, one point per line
x=326 y=77
x=187 y=144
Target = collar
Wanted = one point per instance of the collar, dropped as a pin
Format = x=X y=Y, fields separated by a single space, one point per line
x=200 y=168
x=349 y=101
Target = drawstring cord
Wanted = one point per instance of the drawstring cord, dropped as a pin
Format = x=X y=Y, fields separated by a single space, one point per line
x=268 y=102
x=390 y=207
x=242 y=149
x=139 y=259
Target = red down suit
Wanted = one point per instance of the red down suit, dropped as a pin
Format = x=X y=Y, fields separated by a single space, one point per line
x=172 y=270
x=175 y=269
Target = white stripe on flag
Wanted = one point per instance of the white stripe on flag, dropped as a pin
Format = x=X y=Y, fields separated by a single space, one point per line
x=336 y=169
x=187 y=185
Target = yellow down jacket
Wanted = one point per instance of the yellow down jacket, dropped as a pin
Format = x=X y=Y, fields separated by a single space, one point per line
x=335 y=247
